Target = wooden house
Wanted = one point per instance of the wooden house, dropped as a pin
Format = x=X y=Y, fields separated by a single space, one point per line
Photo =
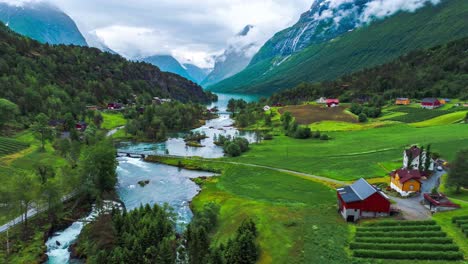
x=81 y=126
x=402 y=101
x=362 y=200
x=405 y=181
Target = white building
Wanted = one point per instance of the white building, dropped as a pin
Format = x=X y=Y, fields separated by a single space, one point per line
x=415 y=153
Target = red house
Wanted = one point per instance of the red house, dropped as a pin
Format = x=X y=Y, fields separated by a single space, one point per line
x=362 y=200
x=81 y=126
x=114 y=106
x=430 y=103
x=332 y=102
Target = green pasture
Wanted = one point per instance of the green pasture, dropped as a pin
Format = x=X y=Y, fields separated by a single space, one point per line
x=350 y=155
x=112 y=120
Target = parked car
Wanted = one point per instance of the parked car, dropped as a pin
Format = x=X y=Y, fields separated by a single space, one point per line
x=439 y=168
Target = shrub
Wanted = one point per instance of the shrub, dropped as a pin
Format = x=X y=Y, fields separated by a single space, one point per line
x=316 y=134
x=268 y=136
x=404 y=240
x=461 y=222
x=405 y=223
x=404 y=247
x=402 y=234
x=362 y=118
x=463 y=217
x=324 y=137
x=232 y=149
x=397 y=254
x=400 y=228
x=302 y=132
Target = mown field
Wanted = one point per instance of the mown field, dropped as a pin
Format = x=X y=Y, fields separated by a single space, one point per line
x=112 y=120
x=414 y=113
x=307 y=114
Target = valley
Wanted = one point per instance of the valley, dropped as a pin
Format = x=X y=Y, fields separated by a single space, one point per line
x=234 y=133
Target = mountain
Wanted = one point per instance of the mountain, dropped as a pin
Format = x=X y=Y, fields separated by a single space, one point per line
x=43 y=22
x=93 y=40
x=196 y=73
x=57 y=79
x=234 y=59
x=168 y=63
x=342 y=49
x=435 y=72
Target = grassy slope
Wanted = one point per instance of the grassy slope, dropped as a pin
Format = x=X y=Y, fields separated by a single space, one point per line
x=373 y=45
x=451 y=118
x=27 y=159
x=354 y=154
x=112 y=120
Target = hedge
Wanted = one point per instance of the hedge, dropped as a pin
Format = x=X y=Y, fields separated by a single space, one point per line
x=405 y=247
x=404 y=240
x=397 y=254
x=399 y=223
x=402 y=234
x=461 y=222
x=400 y=228
x=463 y=217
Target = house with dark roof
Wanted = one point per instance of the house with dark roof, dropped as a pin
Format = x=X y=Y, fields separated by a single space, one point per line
x=414 y=153
x=430 y=103
x=405 y=181
x=362 y=200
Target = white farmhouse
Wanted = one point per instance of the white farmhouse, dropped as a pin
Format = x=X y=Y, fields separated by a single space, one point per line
x=416 y=156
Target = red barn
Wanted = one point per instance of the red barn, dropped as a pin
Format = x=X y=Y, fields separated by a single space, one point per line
x=430 y=103
x=362 y=200
x=332 y=102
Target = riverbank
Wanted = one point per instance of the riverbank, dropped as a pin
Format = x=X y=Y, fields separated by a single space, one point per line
x=28 y=246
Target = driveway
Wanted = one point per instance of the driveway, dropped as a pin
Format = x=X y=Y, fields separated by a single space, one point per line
x=412 y=208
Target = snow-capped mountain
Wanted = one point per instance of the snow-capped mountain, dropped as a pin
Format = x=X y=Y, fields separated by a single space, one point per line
x=234 y=59
x=325 y=20
x=41 y=21
x=196 y=73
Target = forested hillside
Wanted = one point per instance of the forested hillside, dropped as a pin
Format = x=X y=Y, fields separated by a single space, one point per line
x=60 y=79
x=371 y=45
x=440 y=71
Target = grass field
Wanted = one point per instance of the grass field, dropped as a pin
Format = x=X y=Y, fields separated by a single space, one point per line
x=413 y=113
x=446 y=119
x=346 y=126
x=296 y=217
x=112 y=120
x=308 y=114
x=354 y=154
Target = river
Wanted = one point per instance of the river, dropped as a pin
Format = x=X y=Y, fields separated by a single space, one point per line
x=167 y=184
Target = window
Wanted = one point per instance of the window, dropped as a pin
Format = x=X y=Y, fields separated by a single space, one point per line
x=411 y=187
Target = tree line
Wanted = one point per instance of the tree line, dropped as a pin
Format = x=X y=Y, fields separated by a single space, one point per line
x=60 y=79
x=436 y=72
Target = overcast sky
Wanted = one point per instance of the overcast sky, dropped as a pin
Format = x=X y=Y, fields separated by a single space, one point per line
x=188 y=29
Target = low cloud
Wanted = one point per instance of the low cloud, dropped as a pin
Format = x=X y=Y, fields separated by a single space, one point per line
x=384 y=8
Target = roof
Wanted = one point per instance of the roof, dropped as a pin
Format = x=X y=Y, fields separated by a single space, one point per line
x=414 y=150
x=430 y=100
x=406 y=175
x=358 y=191
x=332 y=100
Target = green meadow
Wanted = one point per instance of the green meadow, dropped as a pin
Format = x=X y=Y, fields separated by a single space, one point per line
x=112 y=120
x=350 y=155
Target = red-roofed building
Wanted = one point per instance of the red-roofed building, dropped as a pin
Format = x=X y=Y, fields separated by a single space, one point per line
x=405 y=181
x=332 y=102
x=362 y=200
